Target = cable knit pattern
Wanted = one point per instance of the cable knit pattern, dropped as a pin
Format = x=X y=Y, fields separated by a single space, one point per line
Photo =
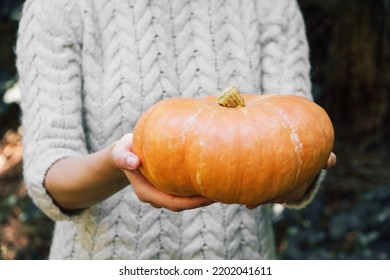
x=88 y=69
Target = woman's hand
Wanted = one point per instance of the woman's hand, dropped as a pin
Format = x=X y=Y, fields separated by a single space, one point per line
x=300 y=192
x=331 y=161
x=125 y=159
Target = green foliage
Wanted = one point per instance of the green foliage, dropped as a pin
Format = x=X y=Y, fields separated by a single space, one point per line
x=9 y=16
x=359 y=231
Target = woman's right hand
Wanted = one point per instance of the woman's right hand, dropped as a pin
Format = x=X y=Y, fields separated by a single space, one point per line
x=126 y=160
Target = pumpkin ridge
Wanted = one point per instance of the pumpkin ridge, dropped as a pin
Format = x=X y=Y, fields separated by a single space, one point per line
x=191 y=119
x=196 y=180
x=298 y=145
x=188 y=123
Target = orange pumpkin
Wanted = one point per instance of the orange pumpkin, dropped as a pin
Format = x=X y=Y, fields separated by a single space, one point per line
x=247 y=149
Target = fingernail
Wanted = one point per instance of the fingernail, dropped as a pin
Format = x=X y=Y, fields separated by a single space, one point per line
x=132 y=162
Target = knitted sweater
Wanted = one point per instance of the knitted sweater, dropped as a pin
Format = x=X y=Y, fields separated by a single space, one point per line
x=88 y=69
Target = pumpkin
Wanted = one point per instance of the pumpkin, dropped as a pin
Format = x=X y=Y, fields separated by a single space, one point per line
x=246 y=149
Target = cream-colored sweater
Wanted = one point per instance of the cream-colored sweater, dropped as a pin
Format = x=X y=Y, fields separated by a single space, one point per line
x=89 y=68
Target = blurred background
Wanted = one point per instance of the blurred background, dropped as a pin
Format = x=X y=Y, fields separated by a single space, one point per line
x=349 y=219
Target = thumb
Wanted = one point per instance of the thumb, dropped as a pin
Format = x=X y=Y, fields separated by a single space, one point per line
x=126 y=161
x=122 y=156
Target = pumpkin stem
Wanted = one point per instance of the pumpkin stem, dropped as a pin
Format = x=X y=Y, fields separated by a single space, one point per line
x=230 y=98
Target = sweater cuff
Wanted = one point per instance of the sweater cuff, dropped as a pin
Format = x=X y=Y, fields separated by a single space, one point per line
x=310 y=193
x=37 y=191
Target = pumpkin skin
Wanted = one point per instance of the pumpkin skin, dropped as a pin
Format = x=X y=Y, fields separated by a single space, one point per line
x=246 y=155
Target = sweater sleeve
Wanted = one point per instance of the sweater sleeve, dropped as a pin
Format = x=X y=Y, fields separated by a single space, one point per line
x=48 y=63
x=285 y=61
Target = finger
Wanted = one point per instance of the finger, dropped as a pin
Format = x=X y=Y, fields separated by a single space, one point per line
x=180 y=203
x=126 y=161
x=251 y=207
x=331 y=161
x=147 y=193
x=122 y=156
x=155 y=205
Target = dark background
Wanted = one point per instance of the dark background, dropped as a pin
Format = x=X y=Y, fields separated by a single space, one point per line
x=349 y=219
